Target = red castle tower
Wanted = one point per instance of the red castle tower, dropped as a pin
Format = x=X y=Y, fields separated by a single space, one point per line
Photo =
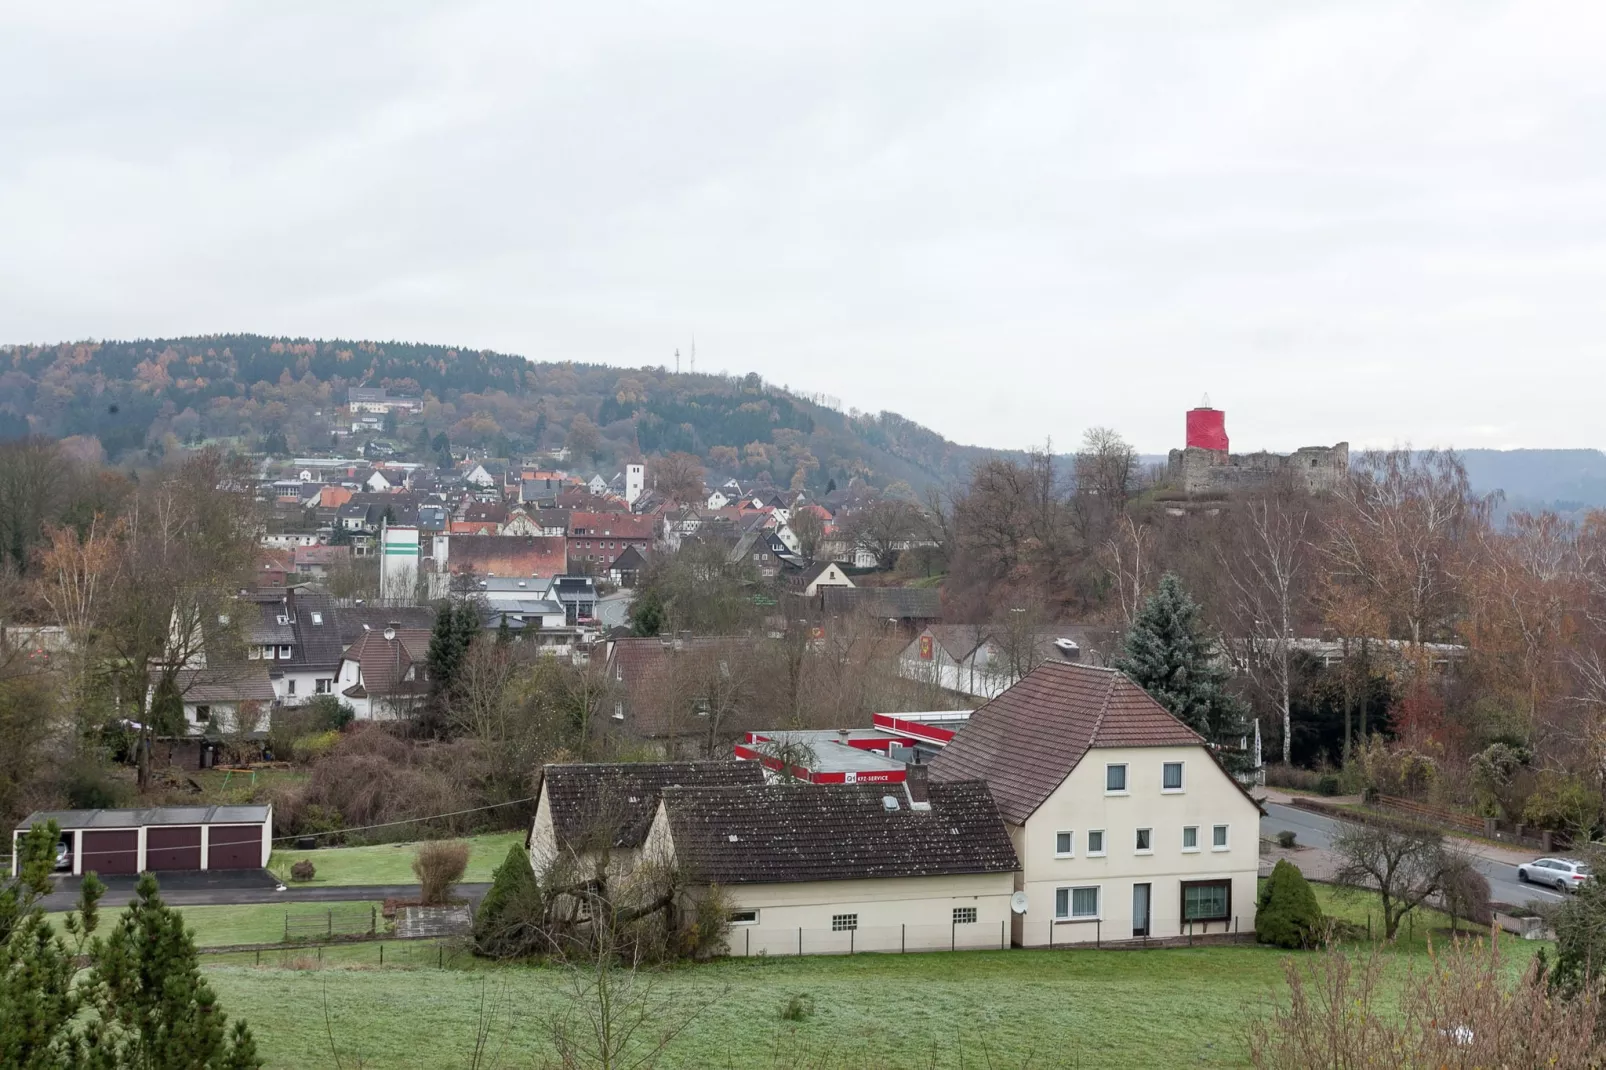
x=1207 y=427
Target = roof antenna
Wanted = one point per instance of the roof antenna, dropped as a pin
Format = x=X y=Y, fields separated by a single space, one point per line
x=694 y=353
x=677 y=361
x=1205 y=402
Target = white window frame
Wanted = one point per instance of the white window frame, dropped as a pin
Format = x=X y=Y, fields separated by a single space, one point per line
x=1185 y=848
x=1126 y=783
x=284 y=652
x=317 y=617
x=1070 y=841
x=1070 y=903
x=267 y=653
x=289 y=685
x=1226 y=840
x=737 y=917
x=1103 y=847
x=1138 y=837
x=965 y=916
x=1182 y=777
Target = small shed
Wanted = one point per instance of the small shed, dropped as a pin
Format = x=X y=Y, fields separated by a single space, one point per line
x=159 y=838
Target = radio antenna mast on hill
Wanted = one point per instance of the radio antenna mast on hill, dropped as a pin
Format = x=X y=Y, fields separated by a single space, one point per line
x=694 y=353
x=677 y=361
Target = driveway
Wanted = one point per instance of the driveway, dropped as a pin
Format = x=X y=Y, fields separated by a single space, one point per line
x=1317 y=830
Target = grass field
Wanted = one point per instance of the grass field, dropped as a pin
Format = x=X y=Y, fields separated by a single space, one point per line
x=391 y=863
x=223 y=926
x=1154 y=1009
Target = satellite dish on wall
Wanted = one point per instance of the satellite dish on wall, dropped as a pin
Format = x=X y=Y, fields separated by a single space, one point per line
x=1017 y=902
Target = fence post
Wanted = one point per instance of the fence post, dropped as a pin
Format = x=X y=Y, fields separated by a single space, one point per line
x=259 y=956
x=320 y=952
x=440 y=956
x=1098 y=933
x=747 y=951
x=331 y=922
x=287 y=926
x=953 y=936
x=1190 y=932
x=373 y=920
x=381 y=952
x=800 y=941
x=852 y=935
x=903 y=938
x=1001 y=945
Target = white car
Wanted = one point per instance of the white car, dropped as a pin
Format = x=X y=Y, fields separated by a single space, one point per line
x=1562 y=874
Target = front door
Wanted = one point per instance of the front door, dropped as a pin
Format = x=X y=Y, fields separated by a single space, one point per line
x=1140 y=910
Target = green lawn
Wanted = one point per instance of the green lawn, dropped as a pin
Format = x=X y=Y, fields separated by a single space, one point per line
x=1151 y=1009
x=260 y=923
x=391 y=863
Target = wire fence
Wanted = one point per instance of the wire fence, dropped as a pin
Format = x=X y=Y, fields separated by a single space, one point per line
x=327 y=923
x=758 y=940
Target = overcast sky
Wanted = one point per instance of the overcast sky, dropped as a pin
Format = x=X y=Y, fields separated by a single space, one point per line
x=1380 y=222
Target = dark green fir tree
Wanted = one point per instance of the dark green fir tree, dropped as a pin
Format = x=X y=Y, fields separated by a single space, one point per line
x=1171 y=655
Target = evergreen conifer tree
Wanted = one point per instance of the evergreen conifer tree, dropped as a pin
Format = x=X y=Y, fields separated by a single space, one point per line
x=507 y=923
x=154 y=1008
x=1171 y=656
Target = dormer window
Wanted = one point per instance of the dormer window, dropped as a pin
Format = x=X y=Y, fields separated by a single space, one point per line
x=317 y=617
x=284 y=653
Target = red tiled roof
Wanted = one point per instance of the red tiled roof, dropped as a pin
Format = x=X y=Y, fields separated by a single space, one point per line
x=1025 y=742
x=610 y=526
x=510 y=555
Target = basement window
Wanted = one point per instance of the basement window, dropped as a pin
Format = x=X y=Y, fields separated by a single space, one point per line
x=964 y=915
x=842 y=923
x=744 y=917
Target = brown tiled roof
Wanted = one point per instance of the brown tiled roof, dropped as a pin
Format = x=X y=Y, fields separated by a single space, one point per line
x=510 y=555
x=385 y=662
x=641 y=670
x=1025 y=742
x=773 y=833
x=618 y=801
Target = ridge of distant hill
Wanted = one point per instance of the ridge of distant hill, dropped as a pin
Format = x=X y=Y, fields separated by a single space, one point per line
x=142 y=397
x=139 y=398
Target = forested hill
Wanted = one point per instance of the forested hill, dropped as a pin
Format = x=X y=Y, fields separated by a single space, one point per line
x=140 y=398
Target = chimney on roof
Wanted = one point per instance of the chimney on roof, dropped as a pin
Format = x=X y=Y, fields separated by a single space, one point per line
x=1068 y=649
x=915 y=785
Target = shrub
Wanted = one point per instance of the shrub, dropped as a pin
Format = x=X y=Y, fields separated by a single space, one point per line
x=507 y=924
x=1287 y=914
x=1328 y=784
x=303 y=871
x=797 y=1007
x=1562 y=801
x=1286 y=839
x=310 y=748
x=438 y=866
x=1466 y=894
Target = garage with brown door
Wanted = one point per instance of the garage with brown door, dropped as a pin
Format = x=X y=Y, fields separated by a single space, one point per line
x=172 y=847
x=165 y=839
x=235 y=847
x=108 y=851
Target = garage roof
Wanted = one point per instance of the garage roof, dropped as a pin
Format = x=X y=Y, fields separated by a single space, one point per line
x=154 y=815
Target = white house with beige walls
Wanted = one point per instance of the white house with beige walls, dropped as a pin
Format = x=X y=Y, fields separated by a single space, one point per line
x=1125 y=824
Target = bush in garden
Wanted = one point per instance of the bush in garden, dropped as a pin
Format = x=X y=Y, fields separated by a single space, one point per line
x=303 y=871
x=438 y=866
x=1288 y=914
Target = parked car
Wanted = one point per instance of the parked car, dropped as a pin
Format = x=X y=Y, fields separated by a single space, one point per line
x=1562 y=874
x=63 y=856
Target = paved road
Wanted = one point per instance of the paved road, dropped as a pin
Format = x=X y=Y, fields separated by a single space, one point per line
x=1314 y=830
x=65 y=895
